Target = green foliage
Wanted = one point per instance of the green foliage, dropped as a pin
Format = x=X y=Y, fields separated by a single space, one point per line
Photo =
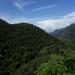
x=55 y=66
x=59 y=64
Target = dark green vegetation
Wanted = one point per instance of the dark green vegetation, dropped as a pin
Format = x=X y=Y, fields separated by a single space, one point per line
x=58 y=64
x=66 y=35
x=28 y=50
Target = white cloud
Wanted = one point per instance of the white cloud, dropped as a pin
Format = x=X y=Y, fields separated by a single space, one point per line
x=11 y=20
x=20 y=4
x=42 y=8
x=5 y=17
x=20 y=20
x=52 y=24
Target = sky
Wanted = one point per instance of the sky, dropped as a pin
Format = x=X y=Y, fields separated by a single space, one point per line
x=49 y=15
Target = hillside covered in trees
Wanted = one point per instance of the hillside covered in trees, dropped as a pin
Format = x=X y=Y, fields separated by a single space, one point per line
x=67 y=35
x=28 y=50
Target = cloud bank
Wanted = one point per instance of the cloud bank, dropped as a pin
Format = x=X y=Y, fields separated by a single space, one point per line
x=50 y=25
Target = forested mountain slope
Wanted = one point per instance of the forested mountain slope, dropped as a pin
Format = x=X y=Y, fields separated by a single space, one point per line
x=24 y=47
x=66 y=35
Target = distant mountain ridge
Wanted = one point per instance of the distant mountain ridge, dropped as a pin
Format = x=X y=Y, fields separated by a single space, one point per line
x=66 y=35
